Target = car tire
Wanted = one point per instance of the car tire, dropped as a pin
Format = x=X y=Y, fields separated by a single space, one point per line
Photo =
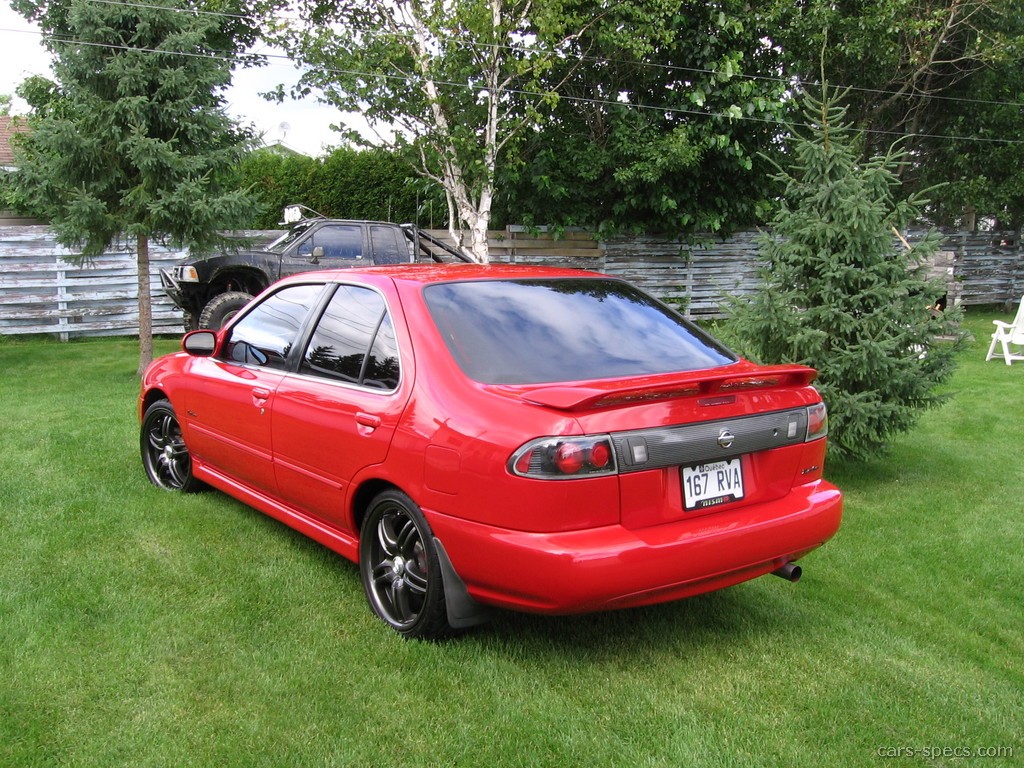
x=400 y=569
x=222 y=308
x=164 y=453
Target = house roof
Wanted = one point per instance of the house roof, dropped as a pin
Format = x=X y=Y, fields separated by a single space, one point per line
x=282 y=149
x=8 y=127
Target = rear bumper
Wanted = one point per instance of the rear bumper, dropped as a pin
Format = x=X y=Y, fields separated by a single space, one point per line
x=614 y=567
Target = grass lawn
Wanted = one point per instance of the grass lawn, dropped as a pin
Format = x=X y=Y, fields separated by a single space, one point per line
x=147 y=629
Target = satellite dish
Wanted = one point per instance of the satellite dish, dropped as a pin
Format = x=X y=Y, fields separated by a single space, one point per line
x=284 y=128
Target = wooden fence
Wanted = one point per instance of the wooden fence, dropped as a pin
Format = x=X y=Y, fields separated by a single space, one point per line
x=696 y=277
x=43 y=292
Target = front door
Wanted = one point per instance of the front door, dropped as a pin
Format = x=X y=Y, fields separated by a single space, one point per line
x=232 y=398
x=328 y=246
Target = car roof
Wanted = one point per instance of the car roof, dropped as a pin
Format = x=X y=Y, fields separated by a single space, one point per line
x=441 y=273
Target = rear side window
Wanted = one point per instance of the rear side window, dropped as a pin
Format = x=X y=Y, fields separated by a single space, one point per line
x=354 y=341
x=554 y=330
x=389 y=245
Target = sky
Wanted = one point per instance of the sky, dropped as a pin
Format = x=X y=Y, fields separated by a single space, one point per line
x=301 y=125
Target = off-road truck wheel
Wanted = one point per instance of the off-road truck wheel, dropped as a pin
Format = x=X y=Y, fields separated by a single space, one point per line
x=222 y=308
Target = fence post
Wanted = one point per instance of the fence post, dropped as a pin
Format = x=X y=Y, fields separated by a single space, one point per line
x=62 y=297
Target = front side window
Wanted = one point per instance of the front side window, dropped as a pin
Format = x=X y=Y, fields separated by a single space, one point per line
x=339 y=241
x=266 y=334
x=354 y=341
x=567 y=329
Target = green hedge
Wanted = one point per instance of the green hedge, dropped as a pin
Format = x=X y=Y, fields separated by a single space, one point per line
x=348 y=183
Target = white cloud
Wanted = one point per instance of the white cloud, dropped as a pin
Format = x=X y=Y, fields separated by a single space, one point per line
x=303 y=125
x=308 y=121
x=23 y=54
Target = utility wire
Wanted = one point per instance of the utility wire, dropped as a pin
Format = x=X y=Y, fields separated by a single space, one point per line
x=786 y=82
x=409 y=80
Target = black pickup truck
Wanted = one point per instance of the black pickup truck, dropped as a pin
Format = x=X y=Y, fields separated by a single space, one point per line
x=211 y=289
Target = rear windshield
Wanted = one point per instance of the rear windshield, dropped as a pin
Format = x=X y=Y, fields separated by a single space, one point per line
x=555 y=330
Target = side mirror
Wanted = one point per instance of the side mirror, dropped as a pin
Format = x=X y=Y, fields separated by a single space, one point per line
x=318 y=253
x=201 y=343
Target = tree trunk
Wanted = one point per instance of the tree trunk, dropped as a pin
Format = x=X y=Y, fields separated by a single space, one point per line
x=478 y=239
x=145 y=307
x=970 y=222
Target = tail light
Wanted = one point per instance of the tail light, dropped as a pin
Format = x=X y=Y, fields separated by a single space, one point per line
x=565 y=458
x=817 y=422
x=584 y=456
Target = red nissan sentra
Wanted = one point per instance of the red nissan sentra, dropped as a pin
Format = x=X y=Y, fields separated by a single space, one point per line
x=538 y=439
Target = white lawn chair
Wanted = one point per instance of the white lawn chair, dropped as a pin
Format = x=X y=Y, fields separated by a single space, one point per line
x=1007 y=335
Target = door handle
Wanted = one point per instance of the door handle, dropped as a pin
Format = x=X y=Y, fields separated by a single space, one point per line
x=367 y=420
x=260 y=396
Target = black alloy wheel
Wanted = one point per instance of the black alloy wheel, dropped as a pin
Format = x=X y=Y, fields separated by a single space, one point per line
x=164 y=453
x=400 y=569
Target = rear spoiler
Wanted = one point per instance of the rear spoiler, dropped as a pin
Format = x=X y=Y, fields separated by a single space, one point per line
x=612 y=393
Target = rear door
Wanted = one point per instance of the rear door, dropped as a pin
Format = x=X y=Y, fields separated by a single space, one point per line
x=337 y=414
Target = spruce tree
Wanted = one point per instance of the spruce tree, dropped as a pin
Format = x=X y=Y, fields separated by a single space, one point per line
x=843 y=292
x=134 y=144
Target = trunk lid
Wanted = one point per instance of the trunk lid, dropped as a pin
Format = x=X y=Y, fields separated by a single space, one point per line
x=697 y=443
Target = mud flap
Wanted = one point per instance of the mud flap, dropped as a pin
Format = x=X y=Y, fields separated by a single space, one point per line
x=463 y=610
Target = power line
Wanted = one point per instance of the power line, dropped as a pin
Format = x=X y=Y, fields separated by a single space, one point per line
x=410 y=80
x=786 y=82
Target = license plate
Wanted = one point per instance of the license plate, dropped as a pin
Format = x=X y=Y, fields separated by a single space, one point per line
x=717 y=482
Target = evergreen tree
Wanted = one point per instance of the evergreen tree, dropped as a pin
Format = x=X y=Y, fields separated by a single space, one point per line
x=135 y=143
x=843 y=294
x=945 y=74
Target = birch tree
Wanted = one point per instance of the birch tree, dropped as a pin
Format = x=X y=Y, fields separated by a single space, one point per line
x=449 y=82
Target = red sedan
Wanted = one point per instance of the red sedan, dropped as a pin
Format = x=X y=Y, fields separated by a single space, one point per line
x=536 y=439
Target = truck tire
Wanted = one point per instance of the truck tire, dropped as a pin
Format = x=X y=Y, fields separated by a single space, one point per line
x=222 y=308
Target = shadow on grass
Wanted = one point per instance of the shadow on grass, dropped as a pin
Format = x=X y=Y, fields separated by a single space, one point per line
x=763 y=610
x=733 y=616
x=725 y=617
